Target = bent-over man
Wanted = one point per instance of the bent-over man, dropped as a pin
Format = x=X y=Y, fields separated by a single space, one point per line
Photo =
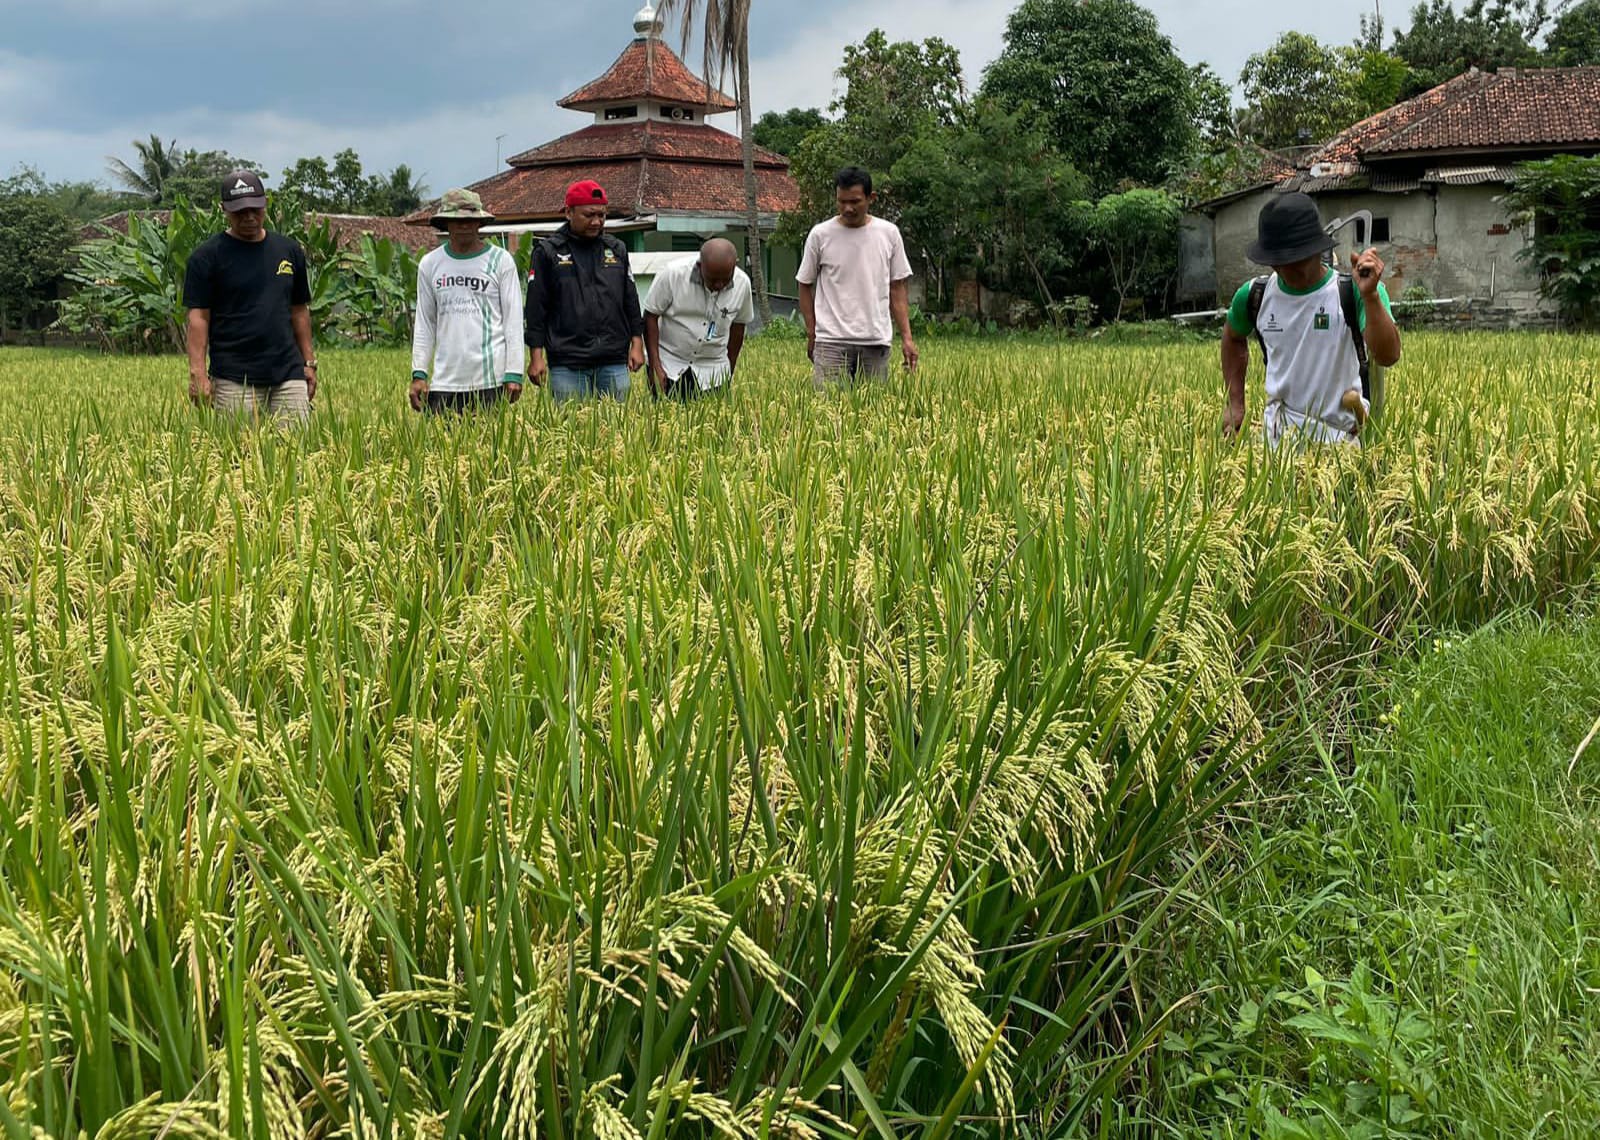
x=694 y=322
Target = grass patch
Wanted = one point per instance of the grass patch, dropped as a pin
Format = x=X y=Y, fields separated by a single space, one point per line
x=1414 y=949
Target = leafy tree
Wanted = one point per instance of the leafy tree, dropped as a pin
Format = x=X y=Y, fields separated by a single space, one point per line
x=35 y=236
x=343 y=188
x=1575 y=39
x=1138 y=232
x=1212 y=100
x=1295 y=92
x=1375 y=80
x=349 y=184
x=80 y=201
x=401 y=192
x=784 y=131
x=1487 y=34
x=164 y=174
x=312 y=181
x=894 y=89
x=896 y=94
x=993 y=196
x=1118 y=100
x=1560 y=198
x=1301 y=90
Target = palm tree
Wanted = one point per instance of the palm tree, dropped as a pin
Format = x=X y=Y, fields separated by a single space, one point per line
x=158 y=162
x=405 y=192
x=725 y=40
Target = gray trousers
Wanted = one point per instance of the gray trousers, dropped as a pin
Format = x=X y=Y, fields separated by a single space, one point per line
x=836 y=363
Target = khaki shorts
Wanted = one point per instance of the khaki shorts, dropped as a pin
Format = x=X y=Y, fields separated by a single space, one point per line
x=836 y=363
x=286 y=403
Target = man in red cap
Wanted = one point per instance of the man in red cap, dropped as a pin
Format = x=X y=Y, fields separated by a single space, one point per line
x=584 y=322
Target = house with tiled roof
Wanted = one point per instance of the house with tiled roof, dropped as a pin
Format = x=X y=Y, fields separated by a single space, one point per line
x=673 y=179
x=1432 y=171
x=349 y=229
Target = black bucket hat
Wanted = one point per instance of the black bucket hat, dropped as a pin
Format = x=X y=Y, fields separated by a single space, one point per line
x=1289 y=230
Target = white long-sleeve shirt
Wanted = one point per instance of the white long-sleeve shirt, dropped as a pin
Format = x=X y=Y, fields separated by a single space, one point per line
x=468 y=331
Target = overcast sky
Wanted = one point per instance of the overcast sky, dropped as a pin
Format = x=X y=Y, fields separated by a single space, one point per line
x=433 y=83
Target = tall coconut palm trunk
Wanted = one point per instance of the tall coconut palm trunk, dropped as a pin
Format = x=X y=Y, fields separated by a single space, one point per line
x=752 y=189
x=725 y=38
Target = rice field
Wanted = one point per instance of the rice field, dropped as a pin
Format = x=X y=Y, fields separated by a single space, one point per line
x=792 y=765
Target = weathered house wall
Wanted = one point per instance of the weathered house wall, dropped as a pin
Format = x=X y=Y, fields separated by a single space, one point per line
x=1478 y=251
x=1449 y=241
x=1234 y=233
x=1197 y=265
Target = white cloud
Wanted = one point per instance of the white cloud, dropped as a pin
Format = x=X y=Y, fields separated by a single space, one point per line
x=448 y=146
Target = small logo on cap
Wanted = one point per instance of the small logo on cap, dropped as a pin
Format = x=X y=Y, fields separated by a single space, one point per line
x=242 y=187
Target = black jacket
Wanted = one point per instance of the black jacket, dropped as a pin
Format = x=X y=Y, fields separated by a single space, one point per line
x=583 y=307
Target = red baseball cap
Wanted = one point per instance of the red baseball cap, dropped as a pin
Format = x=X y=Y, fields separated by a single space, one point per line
x=586 y=193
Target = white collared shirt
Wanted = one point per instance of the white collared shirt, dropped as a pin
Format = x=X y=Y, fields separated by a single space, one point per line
x=696 y=322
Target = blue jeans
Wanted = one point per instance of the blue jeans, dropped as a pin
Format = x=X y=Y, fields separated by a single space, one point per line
x=576 y=383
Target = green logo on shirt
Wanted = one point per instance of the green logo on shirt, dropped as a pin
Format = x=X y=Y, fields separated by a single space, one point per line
x=1322 y=323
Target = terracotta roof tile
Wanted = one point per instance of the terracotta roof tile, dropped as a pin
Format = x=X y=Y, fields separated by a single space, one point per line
x=348 y=228
x=1478 y=111
x=648 y=69
x=1351 y=144
x=1550 y=107
x=638 y=187
x=647 y=139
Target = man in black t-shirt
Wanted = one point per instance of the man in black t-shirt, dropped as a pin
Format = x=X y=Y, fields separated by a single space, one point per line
x=249 y=304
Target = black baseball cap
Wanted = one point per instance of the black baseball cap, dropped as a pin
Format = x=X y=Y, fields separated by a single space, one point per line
x=242 y=190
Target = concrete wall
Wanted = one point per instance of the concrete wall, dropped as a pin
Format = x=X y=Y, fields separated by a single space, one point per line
x=1197 y=262
x=1411 y=253
x=1233 y=232
x=1445 y=240
x=1476 y=259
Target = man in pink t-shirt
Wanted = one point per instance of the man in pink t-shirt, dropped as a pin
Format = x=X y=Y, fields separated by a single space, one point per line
x=853 y=288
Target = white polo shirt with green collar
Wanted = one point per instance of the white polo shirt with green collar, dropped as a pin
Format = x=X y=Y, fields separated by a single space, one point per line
x=467 y=335
x=1311 y=357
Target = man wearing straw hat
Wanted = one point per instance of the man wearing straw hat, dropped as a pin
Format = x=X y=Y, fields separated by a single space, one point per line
x=1318 y=330
x=466 y=345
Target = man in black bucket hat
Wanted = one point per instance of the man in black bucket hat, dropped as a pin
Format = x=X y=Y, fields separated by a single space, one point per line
x=1318 y=329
